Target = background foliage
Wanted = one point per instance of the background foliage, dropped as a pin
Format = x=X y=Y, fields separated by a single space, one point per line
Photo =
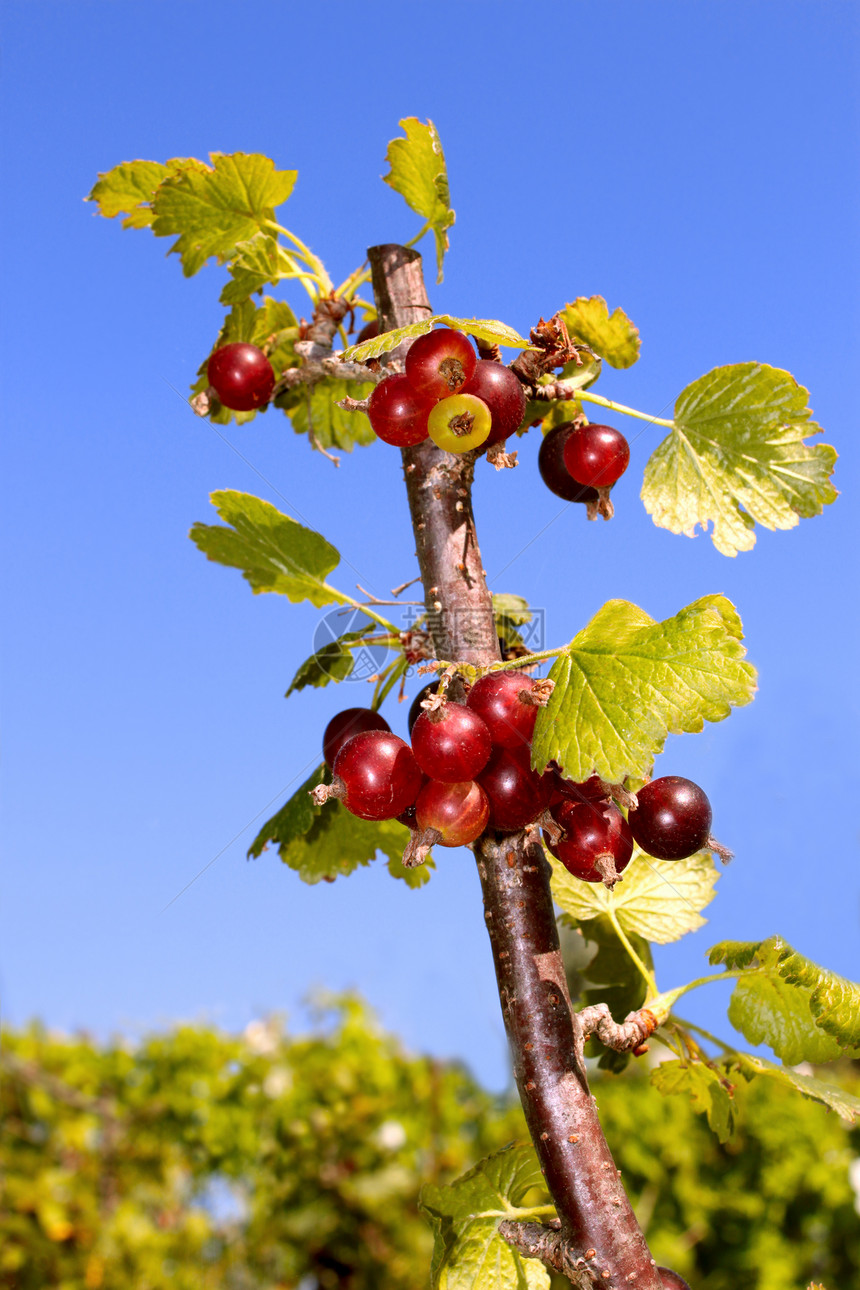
x=203 y=1159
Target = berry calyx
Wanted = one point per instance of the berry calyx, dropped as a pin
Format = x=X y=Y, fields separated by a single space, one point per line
x=241 y=376
x=503 y=394
x=672 y=819
x=596 y=455
x=505 y=702
x=459 y=423
x=597 y=843
x=451 y=743
x=517 y=795
x=397 y=413
x=553 y=471
x=415 y=708
x=450 y=815
x=375 y=776
x=352 y=721
x=440 y=363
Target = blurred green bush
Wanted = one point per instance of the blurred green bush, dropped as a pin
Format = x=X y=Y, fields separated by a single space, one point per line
x=203 y=1159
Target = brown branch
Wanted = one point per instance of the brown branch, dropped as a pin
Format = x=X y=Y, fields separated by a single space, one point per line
x=547 y=1043
x=597 y=1223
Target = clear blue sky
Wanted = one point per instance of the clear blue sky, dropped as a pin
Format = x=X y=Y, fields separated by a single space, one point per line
x=695 y=164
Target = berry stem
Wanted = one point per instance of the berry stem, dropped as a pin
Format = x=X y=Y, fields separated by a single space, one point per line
x=546 y=1039
x=588 y=397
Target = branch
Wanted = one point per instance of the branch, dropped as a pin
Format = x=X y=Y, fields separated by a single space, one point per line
x=597 y=1222
x=547 y=1042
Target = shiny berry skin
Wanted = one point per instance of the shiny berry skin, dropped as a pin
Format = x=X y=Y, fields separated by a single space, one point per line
x=459 y=811
x=591 y=830
x=241 y=376
x=415 y=708
x=673 y=818
x=397 y=414
x=352 y=721
x=451 y=744
x=589 y=790
x=671 y=1280
x=440 y=363
x=596 y=455
x=503 y=395
x=496 y=698
x=380 y=776
x=517 y=795
x=459 y=423
x=553 y=470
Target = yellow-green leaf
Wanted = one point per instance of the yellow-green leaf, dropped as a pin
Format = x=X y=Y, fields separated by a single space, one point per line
x=625 y=682
x=131 y=186
x=612 y=336
x=214 y=208
x=419 y=174
x=738 y=456
x=488 y=329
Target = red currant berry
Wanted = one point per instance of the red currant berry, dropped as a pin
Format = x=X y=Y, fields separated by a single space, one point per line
x=459 y=423
x=671 y=1280
x=458 y=811
x=397 y=414
x=451 y=743
x=597 y=843
x=553 y=471
x=596 y=455
x=415 y=708
x=352 y=721
x=369 y=331
x=241 y=376
x=503 y=394
x=379 y=776
x=440 y=363
x=517 y=795
x=407 y=817
x=673 y=818
x=509 y=717
x=589 y=790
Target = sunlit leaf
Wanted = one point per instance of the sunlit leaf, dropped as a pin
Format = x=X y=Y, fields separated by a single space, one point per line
x=612 y=336
x=419 y=174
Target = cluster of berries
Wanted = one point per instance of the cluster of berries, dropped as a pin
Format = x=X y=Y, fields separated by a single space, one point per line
x=449 y=395
x=468 y=769
x=580 y=463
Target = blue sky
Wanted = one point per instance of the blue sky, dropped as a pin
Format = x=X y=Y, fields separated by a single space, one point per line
x=695 y=164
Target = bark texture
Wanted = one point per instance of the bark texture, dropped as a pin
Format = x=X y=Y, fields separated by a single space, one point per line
x=598 y=1241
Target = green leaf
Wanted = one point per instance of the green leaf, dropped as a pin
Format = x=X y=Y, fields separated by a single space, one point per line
x=324 y=842
x=580 y=376
x=845 y=1104
x=333 y=427
x=274 y=552
x=625 y=682
x=710 y=1094
x=468 y=1253
x=802 y=1011
x=612 y=336
x=488 y=329
x=511 y=612
x=258 y=261
x=738 y=455
x=419 y=174
x=333 y=662
x=214 y=208
x=656 y=899
x=132 y=185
